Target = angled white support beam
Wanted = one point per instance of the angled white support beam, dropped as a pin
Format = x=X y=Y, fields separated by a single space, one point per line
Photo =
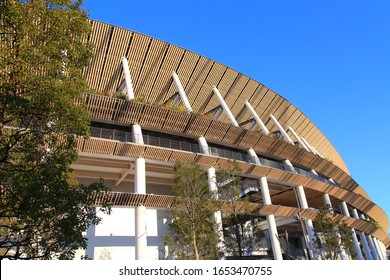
x=182 y=93
x=124 y=174
x=308 y=146
x=128 y=82
x=257 y=118
x=298 y=138
x=225 y=107
x=315 y=150
x=281 y=129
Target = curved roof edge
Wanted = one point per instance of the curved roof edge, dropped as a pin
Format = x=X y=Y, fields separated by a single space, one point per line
x=152 y=62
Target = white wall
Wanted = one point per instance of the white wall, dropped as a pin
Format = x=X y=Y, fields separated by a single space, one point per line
x=113 y=239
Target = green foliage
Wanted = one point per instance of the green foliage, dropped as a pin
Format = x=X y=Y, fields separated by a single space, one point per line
x=193 y=234
x=43 y=209
x=176 y=107
x=242 y=233
x=332 y=234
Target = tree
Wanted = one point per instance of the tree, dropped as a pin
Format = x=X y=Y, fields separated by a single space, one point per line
x=193 y=234
x=43 y=209
x=332 y=235
x=242 y=232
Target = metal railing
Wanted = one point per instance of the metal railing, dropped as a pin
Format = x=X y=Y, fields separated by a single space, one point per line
x=153 y=140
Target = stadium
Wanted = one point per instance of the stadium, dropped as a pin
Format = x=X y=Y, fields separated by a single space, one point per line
x=154 y=103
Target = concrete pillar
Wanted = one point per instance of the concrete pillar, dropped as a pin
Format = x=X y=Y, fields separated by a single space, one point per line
x=383 y=250
x=273 y=231
x=225 y=106
x=327 y=200
x=137 y=134
x=128 y=82
x=372 y=247
x=140 y=188
x=204 y=147
x=282 y=131
x=140 y=211
x=363 y=238
x=370 y=242
x=211 y=175
x=314 y=172
x=356 y=245
x=140 y=233
x=254 y=156
x=182 y=94
x=139 y=176
x=292 y=169
x=308 y=222
x=366 y=247
x=378 y=249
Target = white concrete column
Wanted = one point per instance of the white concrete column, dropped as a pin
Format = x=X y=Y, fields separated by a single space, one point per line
x=314 y=172
x=225 y=106
x=140 y=233
x=327 y=200
x=356 y=245
x=257 y=118
x=303 y=145
x=292 y=169
x=254 y=156
x=211 y=175
x=302 y=197
x=140 y=188
x=366 y=247
x=378 y=249
x=265 y=191
x=343 y=254
x=370 y=241
x=182 y=93
x=363 y=238
x=204 y=147
x=139 y=176
x=372 y=247
x=308 y=222
x=128 y=82
x=281 y=129
x=273 y=231
x=383 y=249
x=140 y=211
x=137 y=134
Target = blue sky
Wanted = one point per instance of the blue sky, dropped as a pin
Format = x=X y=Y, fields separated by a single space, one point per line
x=329 y=58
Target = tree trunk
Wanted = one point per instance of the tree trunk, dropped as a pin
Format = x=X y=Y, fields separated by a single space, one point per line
x=194 y=244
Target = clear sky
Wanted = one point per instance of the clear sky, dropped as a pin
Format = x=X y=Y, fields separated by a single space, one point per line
x=329 y=58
